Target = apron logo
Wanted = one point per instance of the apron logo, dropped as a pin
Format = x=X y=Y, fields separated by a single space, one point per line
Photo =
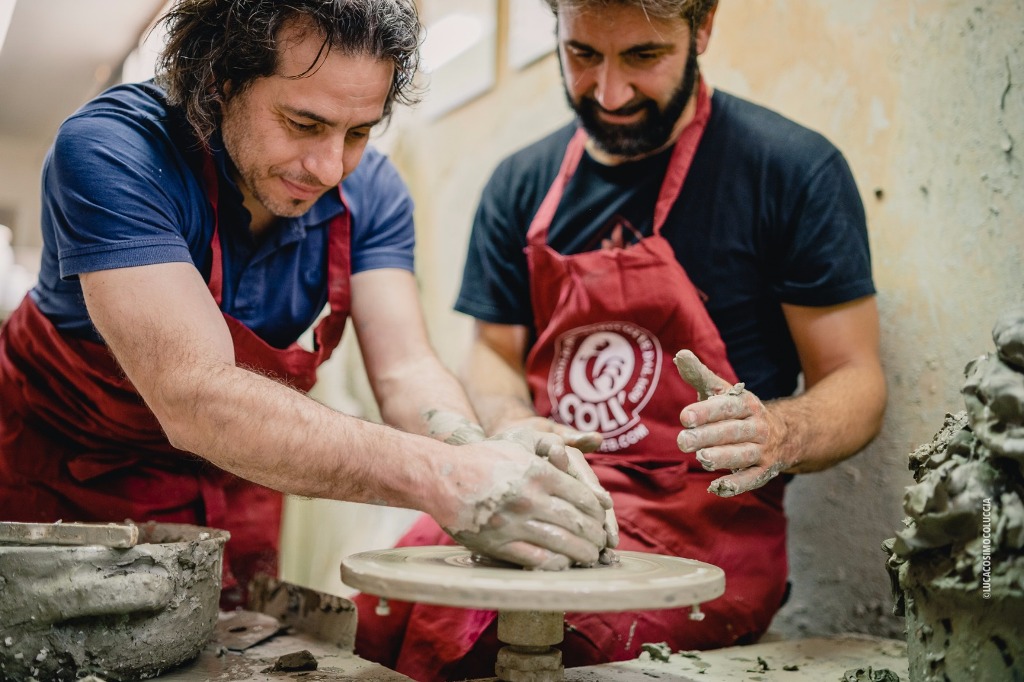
x=602 y=377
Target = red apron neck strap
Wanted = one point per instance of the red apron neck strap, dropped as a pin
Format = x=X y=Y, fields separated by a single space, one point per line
x=216 y=283
x=339 y=266
x=538 y=232
x=682 y=158
x=327 y=334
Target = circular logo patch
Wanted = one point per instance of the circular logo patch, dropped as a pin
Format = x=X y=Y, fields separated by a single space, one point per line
x=602 y=376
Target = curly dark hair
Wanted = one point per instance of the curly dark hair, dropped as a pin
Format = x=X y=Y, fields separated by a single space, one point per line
x=694 y=11
x=213 y=42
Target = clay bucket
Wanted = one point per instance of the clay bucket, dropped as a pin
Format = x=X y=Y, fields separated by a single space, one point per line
x=123 y=614
x=953 y=633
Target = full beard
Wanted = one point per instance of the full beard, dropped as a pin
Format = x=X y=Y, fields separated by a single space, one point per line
x=654 y=128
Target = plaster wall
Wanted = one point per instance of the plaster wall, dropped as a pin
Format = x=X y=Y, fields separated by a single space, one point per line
x=926 y=100
x=20 y=167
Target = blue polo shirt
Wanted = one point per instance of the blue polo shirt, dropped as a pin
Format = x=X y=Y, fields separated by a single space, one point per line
x=122 y=187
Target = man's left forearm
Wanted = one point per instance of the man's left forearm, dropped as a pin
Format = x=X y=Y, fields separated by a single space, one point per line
x=832 y=420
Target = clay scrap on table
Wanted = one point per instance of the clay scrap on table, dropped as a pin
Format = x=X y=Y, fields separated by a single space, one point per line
x=870 y=674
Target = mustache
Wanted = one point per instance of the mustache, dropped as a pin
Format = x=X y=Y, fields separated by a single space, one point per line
x=303 y=180
x=627 y=110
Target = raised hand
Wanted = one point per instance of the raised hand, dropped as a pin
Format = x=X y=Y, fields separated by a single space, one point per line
x=729 y=428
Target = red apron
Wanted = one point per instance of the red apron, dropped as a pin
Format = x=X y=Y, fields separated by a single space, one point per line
x=78 y=443
x=608 y=323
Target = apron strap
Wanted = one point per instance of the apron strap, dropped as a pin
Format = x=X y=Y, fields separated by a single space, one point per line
x=216 y=283
x=538 y=232
x=682 y=158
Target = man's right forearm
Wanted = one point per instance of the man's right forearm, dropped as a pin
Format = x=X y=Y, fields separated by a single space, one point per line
x=271 y=434
x=178 y=353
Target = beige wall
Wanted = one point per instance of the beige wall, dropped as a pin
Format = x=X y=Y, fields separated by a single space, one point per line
x=926 y=99
x=21 y=162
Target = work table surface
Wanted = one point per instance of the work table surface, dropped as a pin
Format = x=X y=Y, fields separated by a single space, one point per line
x=823 y=659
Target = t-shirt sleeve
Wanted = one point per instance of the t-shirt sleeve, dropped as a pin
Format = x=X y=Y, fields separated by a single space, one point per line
x=110 y=190
x=383 y=230
x=495 y=283
x=825 y=257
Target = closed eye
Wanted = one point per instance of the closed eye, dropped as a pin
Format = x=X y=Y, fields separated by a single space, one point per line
x=300 y=127
x=642 y=57
x=581 y=53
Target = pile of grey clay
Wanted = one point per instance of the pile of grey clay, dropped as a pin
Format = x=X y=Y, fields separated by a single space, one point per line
x=958 y=565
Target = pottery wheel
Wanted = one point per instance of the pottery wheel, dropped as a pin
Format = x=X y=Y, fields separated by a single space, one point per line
x=448 y=576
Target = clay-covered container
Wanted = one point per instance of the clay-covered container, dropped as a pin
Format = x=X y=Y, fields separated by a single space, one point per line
x=954 y=633
x=122 y=614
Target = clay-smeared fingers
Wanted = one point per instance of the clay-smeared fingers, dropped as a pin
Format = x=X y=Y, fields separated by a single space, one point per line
x=585 y=441
x=576 y=493
x=730 y=432
x=719 y=408
x=552 y=447
x=526 y=499
x=533 y=544
x=731 y=457
x=580 y=469
x=556 y=538
x=543 y=443
x=744 y=480
x=536 y=533
x=696 y=374
x=611 y=529
x=528 y=555
x=558 y=512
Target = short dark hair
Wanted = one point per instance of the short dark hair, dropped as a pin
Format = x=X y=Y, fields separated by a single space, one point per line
x=213 y=42
x=693 y=11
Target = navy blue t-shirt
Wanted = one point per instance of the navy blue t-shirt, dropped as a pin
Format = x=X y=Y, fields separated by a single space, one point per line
x=768 y=214
x=122 y=186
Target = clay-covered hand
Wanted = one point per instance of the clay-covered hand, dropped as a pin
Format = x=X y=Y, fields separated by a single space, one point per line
x=509 y=504
x=569 y=459
x=453 y=428
x=729 y=428
x=579 y=468
x=585 y=441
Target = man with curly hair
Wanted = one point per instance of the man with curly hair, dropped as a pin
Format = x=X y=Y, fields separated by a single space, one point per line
x=194 y=228
x=667 y=217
